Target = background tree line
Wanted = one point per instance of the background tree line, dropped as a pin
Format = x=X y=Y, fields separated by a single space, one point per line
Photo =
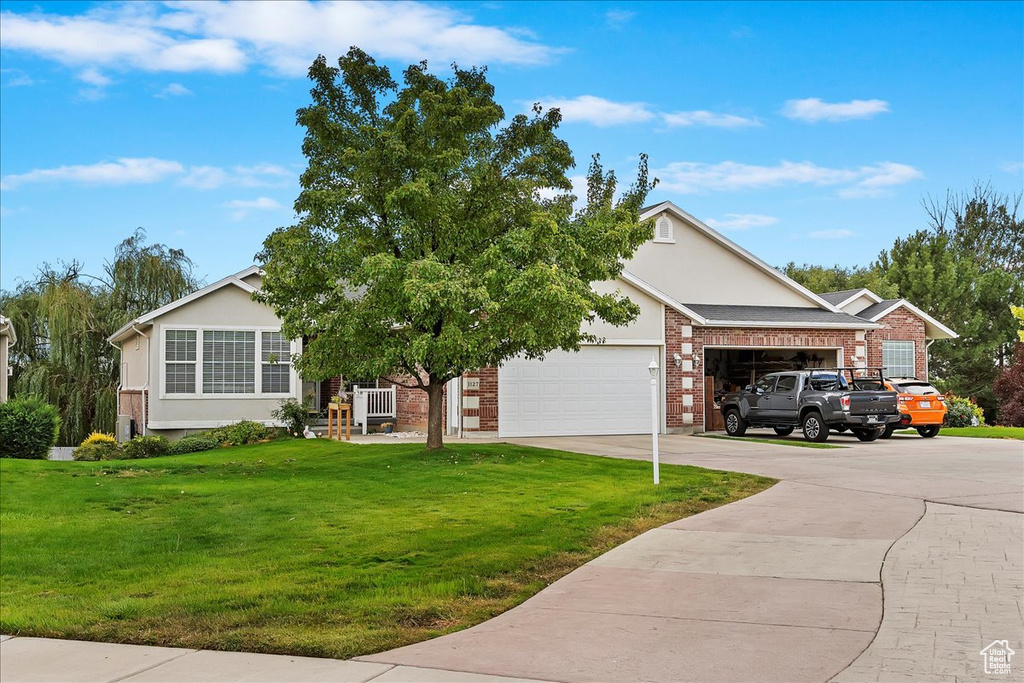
x=966 y=268
x=63 y=317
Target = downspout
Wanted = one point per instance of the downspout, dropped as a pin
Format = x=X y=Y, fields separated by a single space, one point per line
x=927 y=363
x=145 y=387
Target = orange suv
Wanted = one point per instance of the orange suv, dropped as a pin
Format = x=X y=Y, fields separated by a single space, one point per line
x=921 y=406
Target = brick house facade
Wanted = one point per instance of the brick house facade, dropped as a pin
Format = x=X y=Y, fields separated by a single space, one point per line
x=900 y=325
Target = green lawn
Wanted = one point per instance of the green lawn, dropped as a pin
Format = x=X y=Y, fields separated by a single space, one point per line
x=978 y=432
x=315 y=547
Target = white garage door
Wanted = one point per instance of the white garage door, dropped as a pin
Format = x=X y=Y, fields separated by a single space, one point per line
x=600 y=390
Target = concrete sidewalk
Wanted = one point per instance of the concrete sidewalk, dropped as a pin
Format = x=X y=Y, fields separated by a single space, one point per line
x=44 y=660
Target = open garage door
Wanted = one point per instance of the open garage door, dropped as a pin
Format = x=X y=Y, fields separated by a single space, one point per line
x=600 y=390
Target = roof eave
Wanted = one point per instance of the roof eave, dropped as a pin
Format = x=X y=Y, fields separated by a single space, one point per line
x=660 y=296
x=793 y=325
x=862 y=292
x=944 y=332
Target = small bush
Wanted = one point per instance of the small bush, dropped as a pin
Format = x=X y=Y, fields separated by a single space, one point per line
x=963 y=412
x=145 y=447
x=98 y=450
x=28 y=428
x=239 y=433
x=193 y=444
x=98 y=437
x=295 y=415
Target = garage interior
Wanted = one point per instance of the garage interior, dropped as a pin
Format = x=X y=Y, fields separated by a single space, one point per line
x=730 y=369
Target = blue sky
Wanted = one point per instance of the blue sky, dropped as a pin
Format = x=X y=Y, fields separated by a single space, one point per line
x=807 y=132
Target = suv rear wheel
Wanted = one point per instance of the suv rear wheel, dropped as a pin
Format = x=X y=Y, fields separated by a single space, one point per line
x=734 y=424
x=814 y=427
x=929 y=431
x=783 y=431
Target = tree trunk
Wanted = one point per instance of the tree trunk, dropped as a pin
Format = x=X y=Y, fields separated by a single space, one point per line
x=435 y=414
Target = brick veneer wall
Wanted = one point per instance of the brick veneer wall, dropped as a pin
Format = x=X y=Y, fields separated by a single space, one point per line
x=412 y=405
x=900 y=325
x=684 y=405
x=129 y=402
x=488 y=395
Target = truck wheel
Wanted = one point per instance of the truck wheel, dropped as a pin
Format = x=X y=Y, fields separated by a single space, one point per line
x=887 y=431
x=783 y=431
x=734 y=424
x=815 y=428
x=929 y=431
x=868 y=434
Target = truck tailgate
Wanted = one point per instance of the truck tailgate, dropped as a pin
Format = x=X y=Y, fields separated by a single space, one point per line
x=873 y=403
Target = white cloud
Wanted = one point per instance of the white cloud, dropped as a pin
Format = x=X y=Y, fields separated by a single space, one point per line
x=831 y=234
x=813 y=110
x=691 y=177
x=702 y=117
x=741 y=221
x=173 y=90
x=15 y=78
x=93 y=77
x=122 y=40
x=242 y=207
x=603 y=113
x=213 y=177
x=1012 y=167
x=617 y=18
x=227 y=37
x=134 y=171
x=124 y=171
x=880 y=179
x=598 y=111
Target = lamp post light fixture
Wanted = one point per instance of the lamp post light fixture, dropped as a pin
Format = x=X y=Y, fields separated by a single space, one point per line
x=653 y=369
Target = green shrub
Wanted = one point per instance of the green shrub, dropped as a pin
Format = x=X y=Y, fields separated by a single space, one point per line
x=963 y=412
x=145 y=447
x=239 y=433
x=98 y=437
x=28 y=428
x=98 y=450
x=295 y=415
x=193 y=443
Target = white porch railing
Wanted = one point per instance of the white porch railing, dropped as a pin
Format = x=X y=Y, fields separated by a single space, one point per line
x=372 y=403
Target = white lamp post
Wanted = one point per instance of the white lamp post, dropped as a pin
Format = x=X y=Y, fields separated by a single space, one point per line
x=653 y=369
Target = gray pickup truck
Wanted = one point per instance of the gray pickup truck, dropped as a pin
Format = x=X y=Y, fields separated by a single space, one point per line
x=815 y=401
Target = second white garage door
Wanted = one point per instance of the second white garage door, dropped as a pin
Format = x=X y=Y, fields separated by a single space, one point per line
x=600 y=390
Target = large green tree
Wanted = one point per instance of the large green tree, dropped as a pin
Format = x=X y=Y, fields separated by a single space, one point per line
x=64 y=316
x=821 y=279
x=966 y=269
x=433 y=240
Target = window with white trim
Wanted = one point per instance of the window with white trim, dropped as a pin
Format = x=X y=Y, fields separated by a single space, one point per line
x=229 y=362
x=663 y=230
x=222 y=363
x=180 y=360
x=898 y=358
x=276 y=372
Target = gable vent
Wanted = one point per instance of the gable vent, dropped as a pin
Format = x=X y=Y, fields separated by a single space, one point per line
x=663 y=230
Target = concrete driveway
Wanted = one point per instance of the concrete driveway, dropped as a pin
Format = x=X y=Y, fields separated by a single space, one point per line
x=786 y=585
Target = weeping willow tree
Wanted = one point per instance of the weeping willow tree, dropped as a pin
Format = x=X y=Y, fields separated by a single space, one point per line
x=63 y=318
